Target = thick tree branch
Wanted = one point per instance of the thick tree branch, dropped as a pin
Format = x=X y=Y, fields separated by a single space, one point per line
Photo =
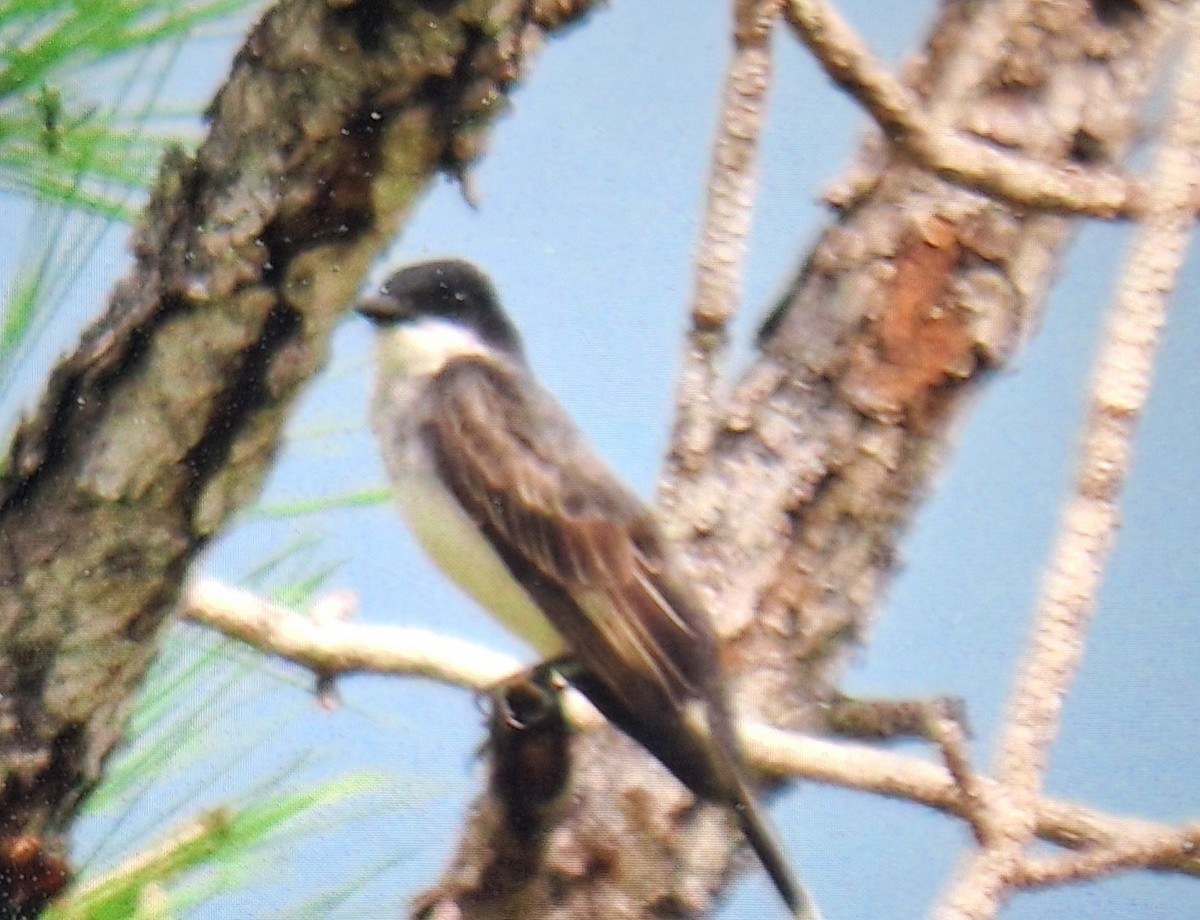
x=163 y=421
x=910 y=299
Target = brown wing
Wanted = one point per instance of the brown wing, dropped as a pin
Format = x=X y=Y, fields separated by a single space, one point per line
x=585 y=548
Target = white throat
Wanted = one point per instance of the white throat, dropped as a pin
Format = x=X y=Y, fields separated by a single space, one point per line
x=422 y=348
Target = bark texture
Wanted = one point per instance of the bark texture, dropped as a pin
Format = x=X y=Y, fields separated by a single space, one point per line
x=163 y=421
x=915 y=292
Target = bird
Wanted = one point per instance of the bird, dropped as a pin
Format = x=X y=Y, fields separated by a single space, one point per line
x=506 y=495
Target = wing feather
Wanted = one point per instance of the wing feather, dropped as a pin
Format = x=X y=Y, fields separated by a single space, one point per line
x=586 y=549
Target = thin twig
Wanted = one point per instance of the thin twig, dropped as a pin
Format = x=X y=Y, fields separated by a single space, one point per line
x=865 y=769
x=1141 y=853
x=722 y=246
x=1121 y=384
x=334 y=648
x=1004 y=174
x=952 y=741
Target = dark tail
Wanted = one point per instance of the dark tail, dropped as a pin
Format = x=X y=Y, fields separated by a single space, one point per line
x=756 y=826
x=729 y=765
x=699 y=746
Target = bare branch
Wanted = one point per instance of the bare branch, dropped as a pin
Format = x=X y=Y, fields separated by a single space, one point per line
x=332 y=649
x=908 y=300
x=132 y=464
x=722 y=246
x=1142 y=853
x=1121 y=384
x=952 y=740
x=865 y=769
x=971 y=163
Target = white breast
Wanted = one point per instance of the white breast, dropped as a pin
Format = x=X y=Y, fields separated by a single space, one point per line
x=453 y=541
x=409 y=355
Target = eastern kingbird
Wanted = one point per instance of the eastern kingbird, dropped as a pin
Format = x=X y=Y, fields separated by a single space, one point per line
x=505 y=494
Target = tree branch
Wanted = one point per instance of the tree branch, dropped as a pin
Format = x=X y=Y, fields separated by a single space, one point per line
x=913 y=295
x=336 y=649
x=1087 y=532
x=1149 y=851
x=722 y=247
x=332 y=122
x=1007 y=175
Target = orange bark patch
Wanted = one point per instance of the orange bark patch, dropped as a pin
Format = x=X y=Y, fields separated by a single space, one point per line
x=919 y=342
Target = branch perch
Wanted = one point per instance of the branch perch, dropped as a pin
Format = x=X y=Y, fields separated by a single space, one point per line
x=333 y=649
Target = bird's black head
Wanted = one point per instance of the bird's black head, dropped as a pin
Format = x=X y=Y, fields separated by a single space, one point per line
x=447 y=289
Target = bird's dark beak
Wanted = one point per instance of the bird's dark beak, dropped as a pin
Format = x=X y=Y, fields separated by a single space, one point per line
x=383 y=311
